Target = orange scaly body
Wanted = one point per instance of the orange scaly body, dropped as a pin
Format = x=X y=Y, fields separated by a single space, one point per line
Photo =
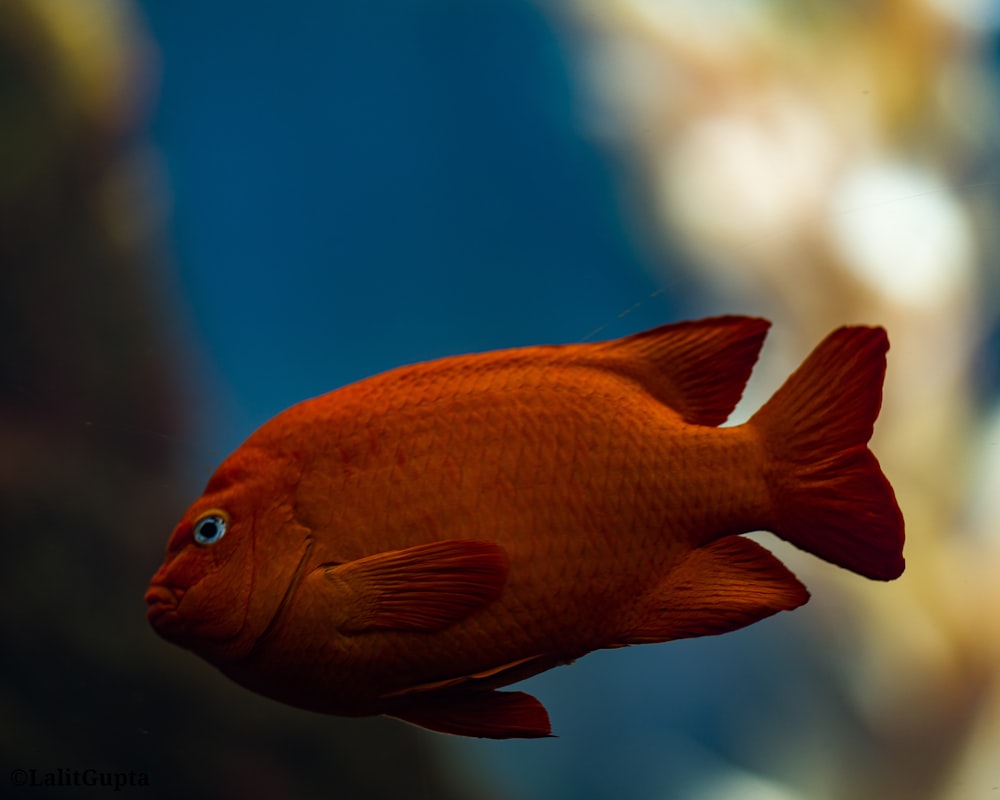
x=409 y=543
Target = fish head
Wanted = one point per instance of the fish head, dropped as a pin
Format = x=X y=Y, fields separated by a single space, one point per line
x=231 y=561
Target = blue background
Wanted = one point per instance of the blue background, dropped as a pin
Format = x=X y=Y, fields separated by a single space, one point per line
x=360 y=185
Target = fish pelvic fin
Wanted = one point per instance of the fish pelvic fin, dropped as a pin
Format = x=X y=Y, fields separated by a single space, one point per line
x=486 y=714
x=485 y=679
x=698 y=368
x=718 y=588
x=829 y=495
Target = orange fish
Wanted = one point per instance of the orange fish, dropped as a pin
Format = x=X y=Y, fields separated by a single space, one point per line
x=407 y=544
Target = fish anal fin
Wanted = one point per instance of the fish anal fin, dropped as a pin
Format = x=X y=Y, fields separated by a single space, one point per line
x=698 y=368
x=422 y=588
x=718 y=588
x=486 y=714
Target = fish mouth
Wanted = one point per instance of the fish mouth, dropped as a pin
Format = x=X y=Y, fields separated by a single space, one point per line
x=162 y=605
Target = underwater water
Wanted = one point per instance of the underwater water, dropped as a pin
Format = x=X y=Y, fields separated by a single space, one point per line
x=342 y=188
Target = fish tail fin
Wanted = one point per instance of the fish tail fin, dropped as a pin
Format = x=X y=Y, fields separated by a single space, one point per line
x=830 y=496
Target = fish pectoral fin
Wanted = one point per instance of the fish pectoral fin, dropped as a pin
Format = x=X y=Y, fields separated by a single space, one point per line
x=423 y=588
x=486 y=714
x=726 y=585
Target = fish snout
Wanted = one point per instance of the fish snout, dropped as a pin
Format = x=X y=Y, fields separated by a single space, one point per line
x=162 y=608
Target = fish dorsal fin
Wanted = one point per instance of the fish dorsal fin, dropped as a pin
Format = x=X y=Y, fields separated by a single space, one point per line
x=487 y=714
x=698 y=368
x=423 y=588
x=724 y=586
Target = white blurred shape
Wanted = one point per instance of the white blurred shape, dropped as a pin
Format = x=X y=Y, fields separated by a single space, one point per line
x=733 y=785
x=714 y=25
x=984 y=506
x=903 y=232
x=981 y=15
x=752 y=174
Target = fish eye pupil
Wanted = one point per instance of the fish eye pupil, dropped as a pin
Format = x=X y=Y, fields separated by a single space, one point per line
x=209 y=530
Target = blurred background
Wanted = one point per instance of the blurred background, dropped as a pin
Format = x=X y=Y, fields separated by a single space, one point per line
x=209 y=212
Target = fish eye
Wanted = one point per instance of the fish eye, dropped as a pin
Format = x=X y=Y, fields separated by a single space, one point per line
x=210 y=528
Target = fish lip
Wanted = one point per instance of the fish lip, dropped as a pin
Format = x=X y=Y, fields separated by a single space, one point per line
x=162 y=603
